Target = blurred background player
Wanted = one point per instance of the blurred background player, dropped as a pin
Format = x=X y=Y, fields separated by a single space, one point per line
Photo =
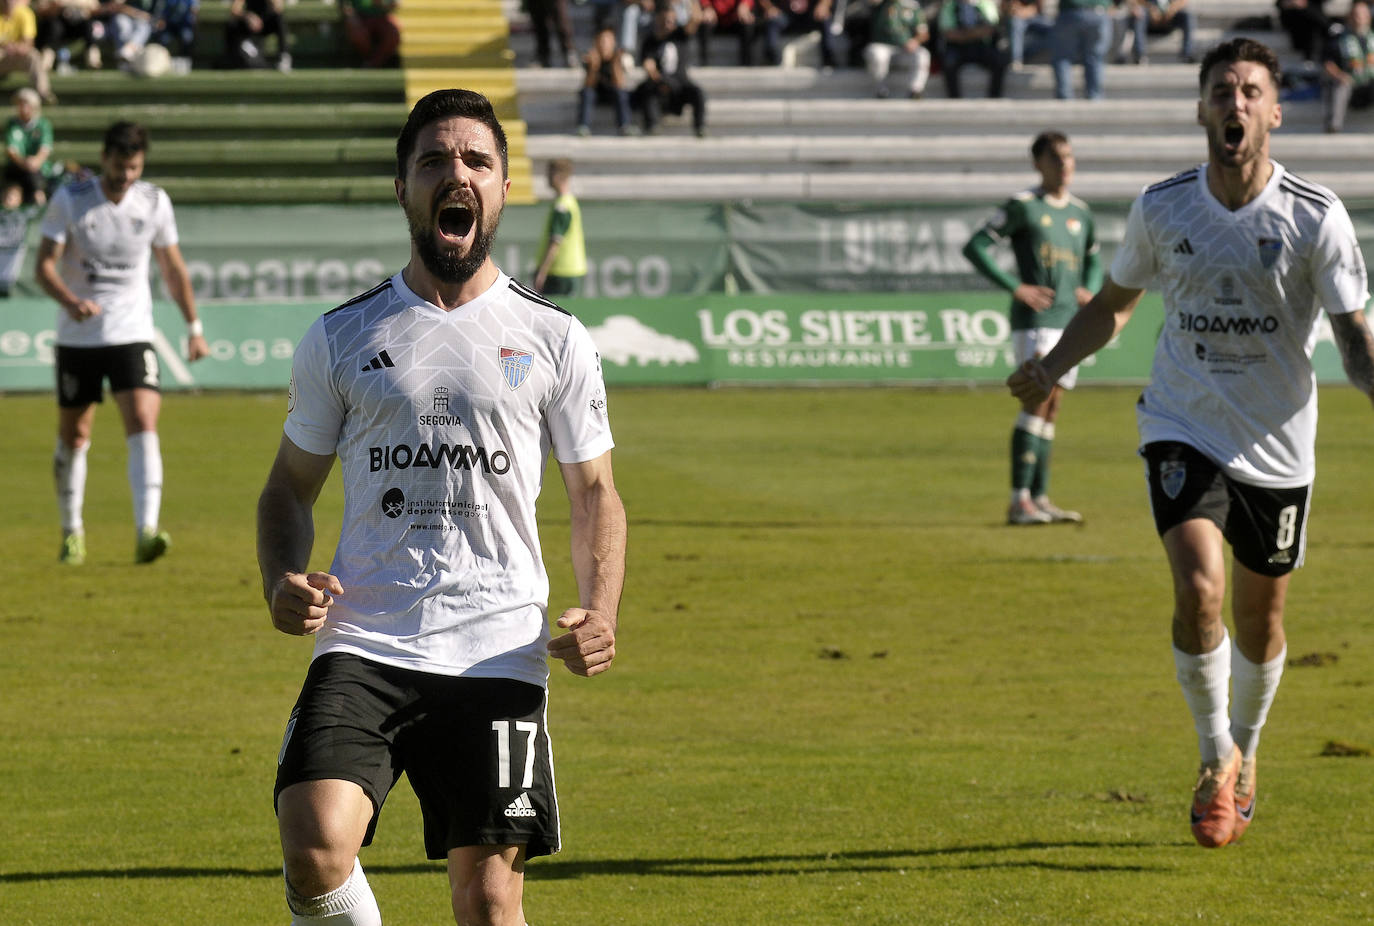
x=1054 y=241
x=1228 y=421
x=562 y=262
x=93 y=259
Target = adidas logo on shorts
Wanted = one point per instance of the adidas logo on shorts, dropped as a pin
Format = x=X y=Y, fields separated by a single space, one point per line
x=521 y=807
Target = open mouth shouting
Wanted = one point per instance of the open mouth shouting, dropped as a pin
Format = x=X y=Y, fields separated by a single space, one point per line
x=1232 y=136
x=455 y=222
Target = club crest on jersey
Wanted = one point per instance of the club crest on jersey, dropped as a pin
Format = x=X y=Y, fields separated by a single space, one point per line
x=1074 y=226
x=1172 y=475
x=1269 y=251
x=515 y=366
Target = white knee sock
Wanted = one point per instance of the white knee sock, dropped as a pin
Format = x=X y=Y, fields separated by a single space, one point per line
x=1255 y=687
x=1204 y=681
x=349 y=904
x=145 y=478
x=69 y=473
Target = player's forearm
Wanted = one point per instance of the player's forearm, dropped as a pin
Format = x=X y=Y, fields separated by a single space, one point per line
x=599 y=535
x=978 y=252
x=50 y=281
x=286 y=535
x=546 y=264
x=1356 y=344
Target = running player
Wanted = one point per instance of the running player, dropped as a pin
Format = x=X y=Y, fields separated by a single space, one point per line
x=1246 y=254
x=441 y=391
x=1052 y=236
x=93 y=259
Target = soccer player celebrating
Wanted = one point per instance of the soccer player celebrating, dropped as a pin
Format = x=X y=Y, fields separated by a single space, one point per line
x=93 y=259
x=1246 y=254
x=441 y=391
x=1052 y=236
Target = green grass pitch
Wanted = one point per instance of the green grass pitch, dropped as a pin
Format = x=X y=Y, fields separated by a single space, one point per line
x=846 y=693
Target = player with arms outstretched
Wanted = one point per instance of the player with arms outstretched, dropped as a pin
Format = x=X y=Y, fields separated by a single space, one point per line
x=441 y=391
x=1054 y=241
x=1247 y=254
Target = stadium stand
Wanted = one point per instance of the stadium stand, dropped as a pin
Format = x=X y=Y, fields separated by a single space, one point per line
x=798 y=133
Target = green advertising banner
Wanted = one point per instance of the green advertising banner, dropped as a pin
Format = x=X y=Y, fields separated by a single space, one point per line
x=889 y=338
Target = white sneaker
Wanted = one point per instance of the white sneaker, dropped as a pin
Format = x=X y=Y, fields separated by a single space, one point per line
x=284 y=62
x=1057 y=514
x=1025 y=512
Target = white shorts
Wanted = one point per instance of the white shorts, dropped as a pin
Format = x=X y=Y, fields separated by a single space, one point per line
x=1037 y=342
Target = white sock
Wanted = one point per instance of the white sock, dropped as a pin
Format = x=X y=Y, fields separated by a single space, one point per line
x=69 y=473
x=1204 y=681
x=349 y=904
x=1255 y=687
x=145 y=478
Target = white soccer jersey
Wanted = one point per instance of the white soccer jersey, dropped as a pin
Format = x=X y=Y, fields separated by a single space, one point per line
x=106 y=256
x=1232 y=372
x=443 y=422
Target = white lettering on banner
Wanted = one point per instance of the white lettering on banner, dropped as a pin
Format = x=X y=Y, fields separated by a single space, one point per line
x=19 y=348
x=863 y=328
x=858 y=246
x=745 y=328
x=983 y=327
x=252 y=352
x=275 y=279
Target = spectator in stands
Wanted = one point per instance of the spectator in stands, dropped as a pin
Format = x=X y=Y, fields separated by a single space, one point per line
x=125 y=26
x=60 y=22
x=562 y=262
x=604 y=82
x=552 y=16
x=372 y=30
x=1160 y=17
x=734 y=16
x=1029 y=31
x=1082 y=34
x=639 y=16
x=1348 y=68
x=796 y=17
x=175 y=28
x=666 y=86
x=28 y=148
x=969 y=35
x=250 y=23
x=18 y=29
x=898 y=29
x=1306 y=24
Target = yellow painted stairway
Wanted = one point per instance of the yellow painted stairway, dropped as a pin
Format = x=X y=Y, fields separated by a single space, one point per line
x=466 y=43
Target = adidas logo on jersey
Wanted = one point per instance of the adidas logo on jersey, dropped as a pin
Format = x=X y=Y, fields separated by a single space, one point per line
x=378 y=362
x=521 y=806
x=1184 y=247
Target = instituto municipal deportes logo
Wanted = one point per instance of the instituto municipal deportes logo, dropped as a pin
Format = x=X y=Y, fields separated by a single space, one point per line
x=515 y=366
x=393 y=503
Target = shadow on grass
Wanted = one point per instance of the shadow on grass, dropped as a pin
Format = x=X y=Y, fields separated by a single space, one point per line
x=957 y=858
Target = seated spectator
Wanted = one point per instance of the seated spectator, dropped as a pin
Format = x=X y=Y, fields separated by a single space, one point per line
x=372 y=30
x=15 y=218
x=61 y=22
x=898 y=29
x=1160 y=17
x=28 y=148
x=175 y=28
x=552 y=16
x=1348 y=68
x=728 y=16
x=796 y=17
x=969 y=35
x=604 y=82
x=18 y=29
x=1029 y=30
x=124 y=27
x=666 y=86
x=250 y=24
x=1306 y=24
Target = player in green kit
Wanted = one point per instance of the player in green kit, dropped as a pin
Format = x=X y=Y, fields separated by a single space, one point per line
x=1052 y=236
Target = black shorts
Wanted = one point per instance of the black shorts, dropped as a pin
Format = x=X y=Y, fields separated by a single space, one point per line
x=476 y=750
x=1267 y=528
x=82 y=371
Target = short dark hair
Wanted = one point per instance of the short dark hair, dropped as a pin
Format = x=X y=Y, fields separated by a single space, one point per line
x=1239 y=49
x=443 y=104
x=125 y=139
x=561 y=168
x=1045 y=141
